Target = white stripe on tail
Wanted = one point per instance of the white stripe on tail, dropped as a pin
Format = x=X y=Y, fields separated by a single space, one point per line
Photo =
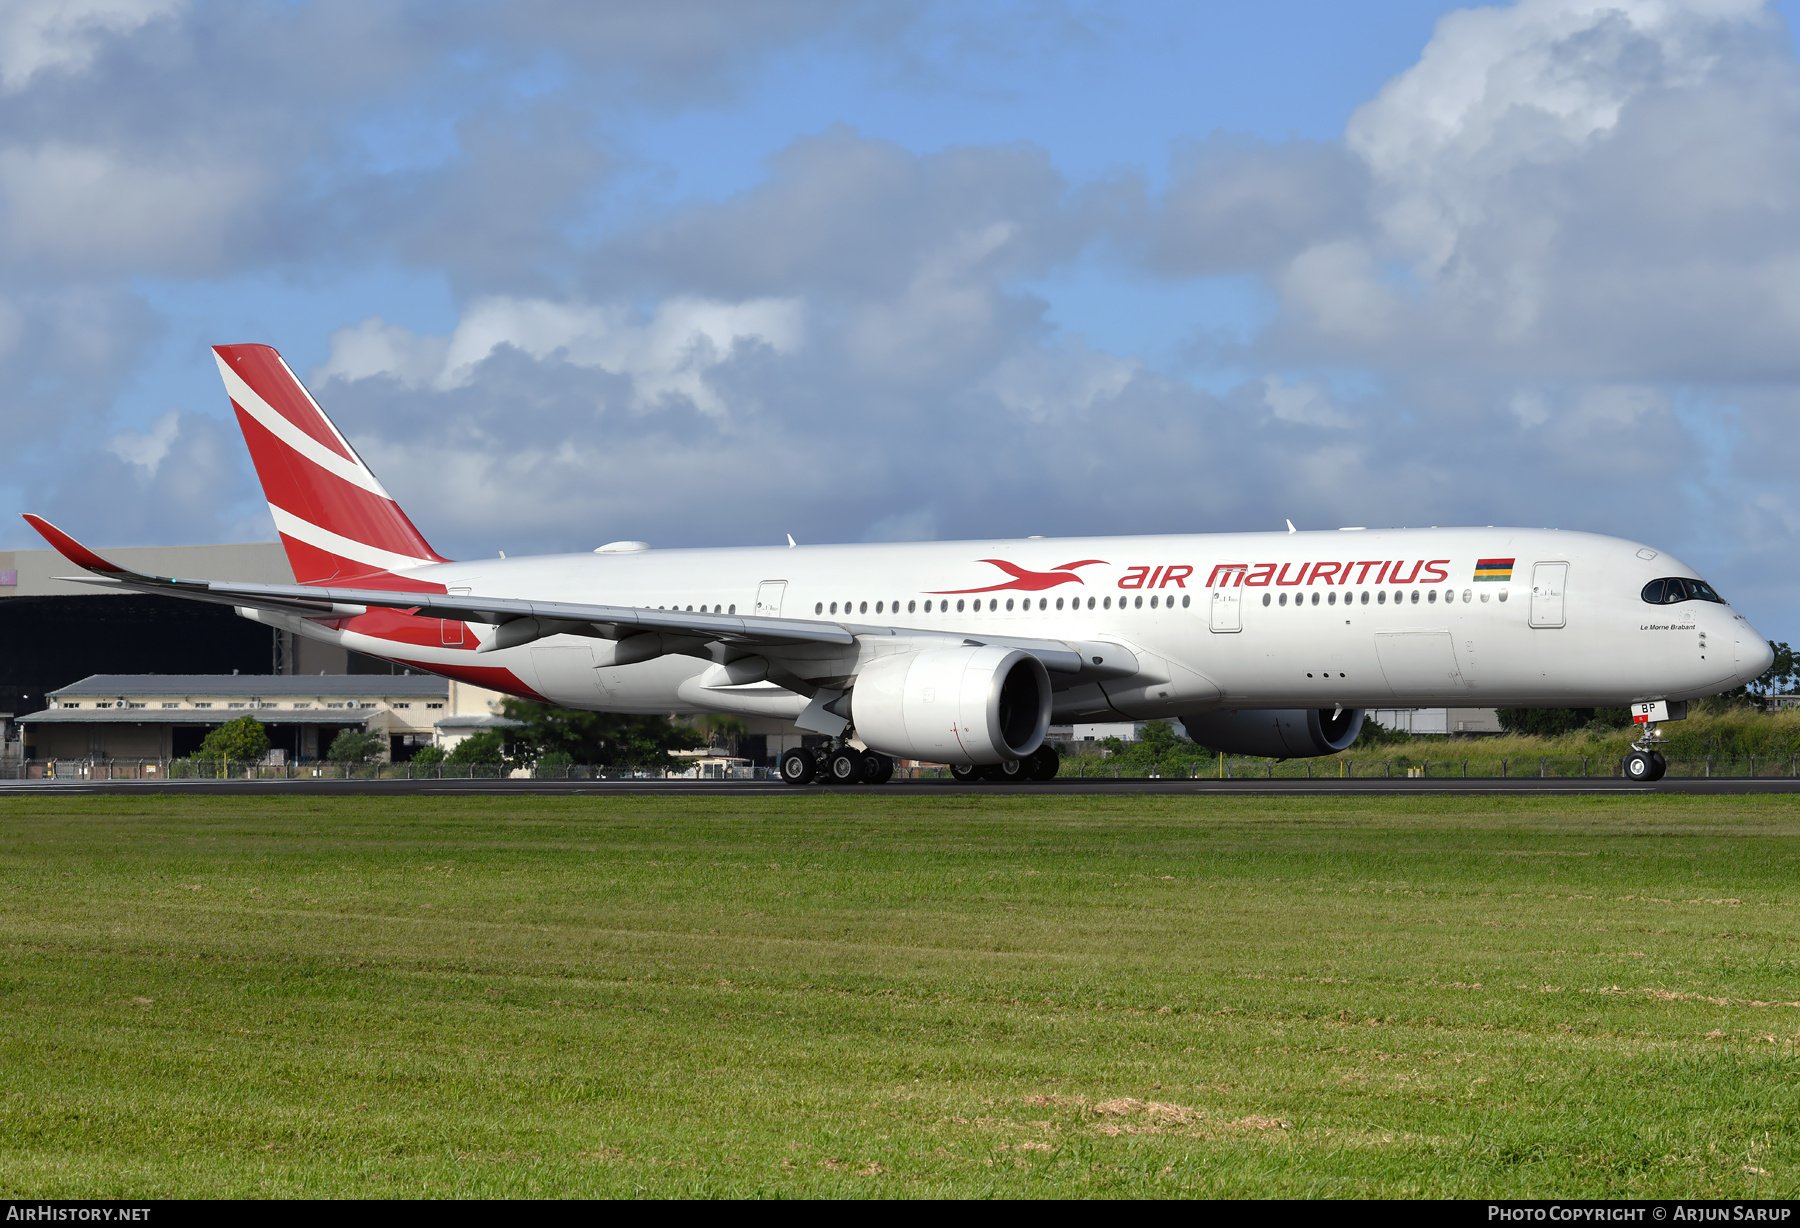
x=335 y=517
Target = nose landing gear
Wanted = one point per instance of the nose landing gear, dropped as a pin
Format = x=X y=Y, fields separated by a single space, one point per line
x=1646 y=763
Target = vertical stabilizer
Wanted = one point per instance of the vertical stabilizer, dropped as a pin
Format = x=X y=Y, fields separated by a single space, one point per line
x=336 y=519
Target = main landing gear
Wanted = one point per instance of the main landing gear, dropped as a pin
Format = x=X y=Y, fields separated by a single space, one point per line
x=1646 y=762
x=842 y=764
x=1041 y=764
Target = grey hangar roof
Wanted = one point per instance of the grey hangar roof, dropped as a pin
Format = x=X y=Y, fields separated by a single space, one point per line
x=258 y=686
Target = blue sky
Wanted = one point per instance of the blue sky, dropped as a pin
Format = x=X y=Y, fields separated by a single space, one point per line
x=704 y=273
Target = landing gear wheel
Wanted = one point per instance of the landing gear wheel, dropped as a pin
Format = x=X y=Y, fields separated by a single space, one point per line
x=1640 y=766
x=968 y=773
x=797 y=767
x=845 y=767
x=878 y=769
x=1662 y=765
x=1005 y=772
x=1043 y=764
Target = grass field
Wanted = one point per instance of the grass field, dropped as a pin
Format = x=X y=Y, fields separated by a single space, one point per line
x=901 y=996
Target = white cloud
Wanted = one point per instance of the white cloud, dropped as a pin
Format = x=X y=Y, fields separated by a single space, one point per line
x=1529 y=407
x=86 y=209
x=1339 y=289
x=61 y=35
x=1302 y=403
x=668 y=354
x=147 y=450
x=1042 y=383
x=1498 y=89
x=376 y=347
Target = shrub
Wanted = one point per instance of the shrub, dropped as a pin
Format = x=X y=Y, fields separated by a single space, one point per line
x=612 y=738
x=427 y=756
x=486 y=748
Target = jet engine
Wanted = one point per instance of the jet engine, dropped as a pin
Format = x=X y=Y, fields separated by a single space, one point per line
x=963 y=705
x=1287 y=733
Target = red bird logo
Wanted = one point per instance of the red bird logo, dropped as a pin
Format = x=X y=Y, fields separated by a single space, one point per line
x=1029 y=581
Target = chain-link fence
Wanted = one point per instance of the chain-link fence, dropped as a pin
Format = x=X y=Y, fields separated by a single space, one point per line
x=217 y=769
x=1398 y=767
x=1229 y=767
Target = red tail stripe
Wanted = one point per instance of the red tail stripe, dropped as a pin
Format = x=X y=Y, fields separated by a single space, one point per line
x=261 y=367
x=296 y=485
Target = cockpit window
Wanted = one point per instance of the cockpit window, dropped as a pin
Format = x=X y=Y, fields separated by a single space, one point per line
x=1672 y=589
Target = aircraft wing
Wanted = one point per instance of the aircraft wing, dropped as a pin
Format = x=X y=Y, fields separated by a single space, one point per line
x=552 y=617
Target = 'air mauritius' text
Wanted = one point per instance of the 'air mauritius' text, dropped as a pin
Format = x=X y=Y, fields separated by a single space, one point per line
x=1369 y=571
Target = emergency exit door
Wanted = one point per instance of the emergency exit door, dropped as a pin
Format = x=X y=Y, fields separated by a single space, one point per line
x=1548 y=580
x=768 y=598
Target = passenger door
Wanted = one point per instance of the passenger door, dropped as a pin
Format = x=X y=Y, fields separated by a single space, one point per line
x=1548 y=581
x=1226 y=602
x=769 y=595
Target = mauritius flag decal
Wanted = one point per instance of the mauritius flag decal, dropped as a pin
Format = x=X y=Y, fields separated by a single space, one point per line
x=1493 y=569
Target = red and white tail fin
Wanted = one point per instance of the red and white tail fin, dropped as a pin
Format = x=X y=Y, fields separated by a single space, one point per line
x=336 y=519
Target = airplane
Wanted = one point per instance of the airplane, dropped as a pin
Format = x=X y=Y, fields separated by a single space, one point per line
x=965 y=652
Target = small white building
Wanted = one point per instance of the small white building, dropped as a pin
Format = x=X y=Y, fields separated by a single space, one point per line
x=1438 y=720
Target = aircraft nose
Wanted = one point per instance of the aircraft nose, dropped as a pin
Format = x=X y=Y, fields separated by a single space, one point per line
x=1754 y=655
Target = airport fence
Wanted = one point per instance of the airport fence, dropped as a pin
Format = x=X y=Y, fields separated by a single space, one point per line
x=1467 y=767
x=1229 y=767
x=214 y=769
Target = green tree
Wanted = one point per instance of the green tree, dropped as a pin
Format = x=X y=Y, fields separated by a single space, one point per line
x=427 y=756
x=244 y=740
x=721 y=732
x=1554 y=722
x=599 y=738
x=487 y=749
x=355 y=746
x=1158 y=743
x=1780 y=677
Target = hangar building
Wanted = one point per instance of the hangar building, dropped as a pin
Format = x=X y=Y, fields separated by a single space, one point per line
x=165 y=716
x=57 y=632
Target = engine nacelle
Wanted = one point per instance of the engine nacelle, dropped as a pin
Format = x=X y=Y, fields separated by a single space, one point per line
x=964 y=705
x=1287 y=733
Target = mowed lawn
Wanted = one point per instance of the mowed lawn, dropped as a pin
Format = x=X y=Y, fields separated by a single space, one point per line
x=899 y=996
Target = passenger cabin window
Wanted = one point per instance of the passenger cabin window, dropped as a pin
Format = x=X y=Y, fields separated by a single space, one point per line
x=1673 y=589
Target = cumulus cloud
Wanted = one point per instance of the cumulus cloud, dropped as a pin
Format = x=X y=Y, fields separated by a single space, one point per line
x=86 y=210
x=148 y=449
x=1303 y=404
x=1552 y=265
x=38 y=36
x=1237 y=205
x=1569 y=189
x=667 y=354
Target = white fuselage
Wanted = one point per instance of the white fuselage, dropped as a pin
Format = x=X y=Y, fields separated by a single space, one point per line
x=1275 y=620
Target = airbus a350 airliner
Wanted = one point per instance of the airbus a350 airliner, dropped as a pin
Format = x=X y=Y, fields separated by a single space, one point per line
x=965 y=652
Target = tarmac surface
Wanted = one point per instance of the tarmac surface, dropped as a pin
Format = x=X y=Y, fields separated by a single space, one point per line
x=938 y=787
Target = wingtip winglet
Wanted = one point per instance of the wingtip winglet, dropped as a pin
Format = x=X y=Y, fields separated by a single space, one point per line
x=71 y=549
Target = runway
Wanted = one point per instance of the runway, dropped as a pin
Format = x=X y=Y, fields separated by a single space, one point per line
x=1516 y=786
